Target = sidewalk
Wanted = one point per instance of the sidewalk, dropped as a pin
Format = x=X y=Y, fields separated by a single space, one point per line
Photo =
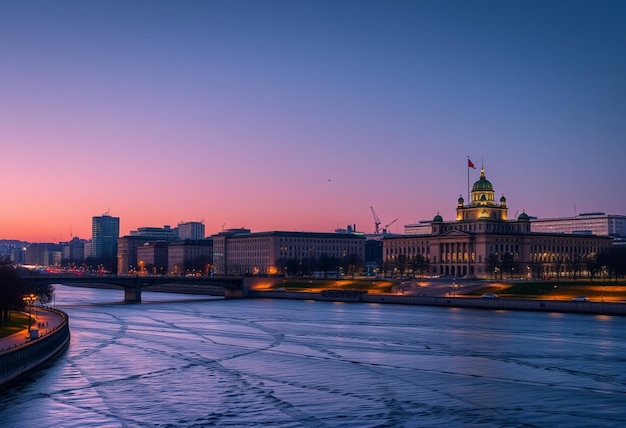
x=48 y=319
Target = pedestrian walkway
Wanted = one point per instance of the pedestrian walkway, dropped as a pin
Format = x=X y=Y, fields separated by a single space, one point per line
x=43 y=320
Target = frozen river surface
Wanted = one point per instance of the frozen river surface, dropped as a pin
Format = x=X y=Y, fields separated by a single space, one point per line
x=177 y=360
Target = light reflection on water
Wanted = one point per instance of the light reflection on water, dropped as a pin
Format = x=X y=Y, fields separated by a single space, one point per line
x=177 y=360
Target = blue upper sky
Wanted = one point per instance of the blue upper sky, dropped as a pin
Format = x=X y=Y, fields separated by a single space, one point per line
x=308 y=111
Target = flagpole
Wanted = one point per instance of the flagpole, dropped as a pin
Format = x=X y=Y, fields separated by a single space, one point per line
x=468 y=193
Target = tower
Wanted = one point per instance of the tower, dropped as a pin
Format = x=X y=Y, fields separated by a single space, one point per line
x=483 y=205
x=104 y=233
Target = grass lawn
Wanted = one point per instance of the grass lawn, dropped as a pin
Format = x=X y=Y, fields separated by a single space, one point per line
x=18 y=321
x=609 y=291
x=560 y=290
x=316 y=285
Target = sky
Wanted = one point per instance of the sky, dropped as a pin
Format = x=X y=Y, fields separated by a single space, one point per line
x=304 y=115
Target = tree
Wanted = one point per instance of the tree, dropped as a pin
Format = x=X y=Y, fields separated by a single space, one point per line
x=12 y=288
x=558 y=265
x=354 y=264
x=387 y=266
x=507 y=264
x=326 y=263
x=574 y=265
x=593 y=266
x=401 y=263
x=537 y=269
x=493 y=265
x=614 y=260
x=419 y=263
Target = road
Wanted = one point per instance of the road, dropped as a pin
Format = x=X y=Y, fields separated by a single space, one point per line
x=439 y=287
x=43 y=320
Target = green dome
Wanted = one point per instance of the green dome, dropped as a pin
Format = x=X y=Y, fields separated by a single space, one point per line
x=523 y=216
x=438 y=218
x=482 y=184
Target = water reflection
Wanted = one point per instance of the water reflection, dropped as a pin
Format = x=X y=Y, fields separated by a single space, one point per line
x=180 y=361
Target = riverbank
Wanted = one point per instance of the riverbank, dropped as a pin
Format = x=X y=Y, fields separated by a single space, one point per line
x=25 y=351
x=597 y=308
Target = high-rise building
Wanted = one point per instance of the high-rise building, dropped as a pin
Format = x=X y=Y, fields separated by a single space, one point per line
x=105 y=230
x=191 y=230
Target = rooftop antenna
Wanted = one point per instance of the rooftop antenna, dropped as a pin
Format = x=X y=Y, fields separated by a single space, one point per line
x=223 y=226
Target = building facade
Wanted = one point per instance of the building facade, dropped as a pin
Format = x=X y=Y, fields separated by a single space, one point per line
x=190 y=256
x=165 y=233
x=482 y=237
x=74 y=250
x=588 y=223
x=105 y=230
x=240 y=252
x=191 y=230
x=43 y=254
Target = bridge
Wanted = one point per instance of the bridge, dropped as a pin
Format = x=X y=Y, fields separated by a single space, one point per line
x=228 y=286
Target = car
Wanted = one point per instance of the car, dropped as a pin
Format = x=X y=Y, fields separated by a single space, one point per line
x=580 y=299
x=489 y=296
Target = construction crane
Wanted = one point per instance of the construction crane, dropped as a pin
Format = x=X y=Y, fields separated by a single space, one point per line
x=387 y=225
x=376 y=222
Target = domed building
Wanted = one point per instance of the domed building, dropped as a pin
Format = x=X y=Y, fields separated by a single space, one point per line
x=483 y=205
x=482 y=241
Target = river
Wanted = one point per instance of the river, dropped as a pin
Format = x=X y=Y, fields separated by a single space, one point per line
x=189 y=361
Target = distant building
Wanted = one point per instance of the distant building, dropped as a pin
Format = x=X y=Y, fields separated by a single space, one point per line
x=482 y=239
x=166 y=233
x=13 y=250
x=74 y=250
x=239 y=252
x=589 y=223
x=105 y=231
x=421 y=228
x=191 y=230
x=43 y=254
x=127 y=253
x=87 y=249
x=127 y=261
x=152 y=258
x=190 y=256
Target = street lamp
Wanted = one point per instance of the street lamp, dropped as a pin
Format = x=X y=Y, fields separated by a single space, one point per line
x=602 y=294
x=29 y=301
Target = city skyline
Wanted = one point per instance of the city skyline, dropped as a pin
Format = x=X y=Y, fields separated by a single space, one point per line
x=302 y=115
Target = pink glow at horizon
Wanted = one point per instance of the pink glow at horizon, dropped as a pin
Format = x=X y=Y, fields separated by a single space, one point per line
x=301 y=116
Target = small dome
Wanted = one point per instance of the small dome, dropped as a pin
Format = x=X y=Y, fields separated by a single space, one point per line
x=523 y=216
x=502 y=199
x=438 y=218
x=482 y=184
x=461 y=200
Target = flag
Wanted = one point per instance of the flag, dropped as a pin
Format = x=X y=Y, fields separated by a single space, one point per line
x=470 y=164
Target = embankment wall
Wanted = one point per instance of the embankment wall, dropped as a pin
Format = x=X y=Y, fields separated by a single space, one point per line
x=599 y=308
x=23 y=358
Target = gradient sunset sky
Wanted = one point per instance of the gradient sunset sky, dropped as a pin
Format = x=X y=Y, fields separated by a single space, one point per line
x=301 y=115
